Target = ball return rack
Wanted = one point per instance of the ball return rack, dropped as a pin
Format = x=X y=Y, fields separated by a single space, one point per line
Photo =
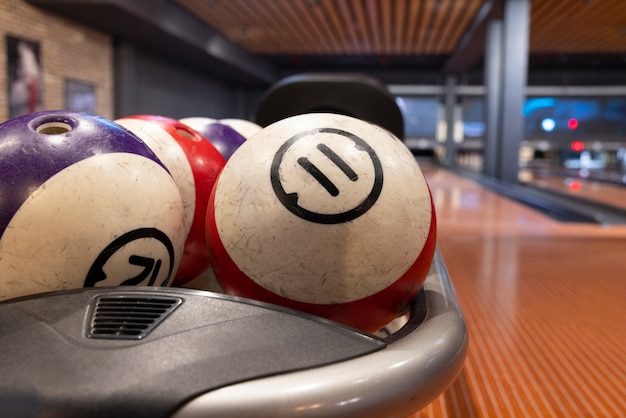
x=172 y=352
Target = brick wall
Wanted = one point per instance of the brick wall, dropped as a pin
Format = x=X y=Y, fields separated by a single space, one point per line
x=68 y=50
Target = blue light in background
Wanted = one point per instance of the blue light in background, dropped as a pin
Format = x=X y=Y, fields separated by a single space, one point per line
x=536 y=103
x=548 y=124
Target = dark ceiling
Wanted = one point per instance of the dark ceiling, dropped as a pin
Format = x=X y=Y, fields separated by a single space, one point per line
x=258 y=41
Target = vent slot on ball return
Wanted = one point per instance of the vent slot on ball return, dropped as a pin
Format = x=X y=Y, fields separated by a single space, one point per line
x=129 y=317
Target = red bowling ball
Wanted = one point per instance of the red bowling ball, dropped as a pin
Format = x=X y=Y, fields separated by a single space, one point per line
x=194 y=164
x=326 y=214
x=84 y=203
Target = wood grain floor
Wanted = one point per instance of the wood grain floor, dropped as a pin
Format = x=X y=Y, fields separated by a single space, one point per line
x=544 y=303
x=606 y=193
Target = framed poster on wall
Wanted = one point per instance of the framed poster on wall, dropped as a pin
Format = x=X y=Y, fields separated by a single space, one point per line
x=24 y=76
x=80 y=96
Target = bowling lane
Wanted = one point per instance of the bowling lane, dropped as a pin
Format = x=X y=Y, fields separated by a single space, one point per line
x=601 y=192
x=543 y=301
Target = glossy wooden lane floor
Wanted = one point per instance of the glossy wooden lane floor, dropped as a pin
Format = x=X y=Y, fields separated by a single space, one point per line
x=606 y=193
x=544 y=305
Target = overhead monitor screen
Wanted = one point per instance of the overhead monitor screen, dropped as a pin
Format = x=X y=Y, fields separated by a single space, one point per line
x=473 y=114
x=589 y=118
x=421 y=115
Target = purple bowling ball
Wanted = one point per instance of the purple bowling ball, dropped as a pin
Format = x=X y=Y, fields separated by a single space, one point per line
x=84 y=203
x=223 y=137
x=42 y=144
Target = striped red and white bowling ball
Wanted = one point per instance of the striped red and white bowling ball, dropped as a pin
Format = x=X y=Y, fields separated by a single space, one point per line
x=84 y=203
x=194 y=164
x=326 y=214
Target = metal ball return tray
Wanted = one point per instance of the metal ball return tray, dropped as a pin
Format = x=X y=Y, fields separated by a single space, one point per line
x=168 y=352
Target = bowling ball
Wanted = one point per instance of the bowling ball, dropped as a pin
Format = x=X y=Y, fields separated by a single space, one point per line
x=326 y=214
x=84 y=203
x=194 y=164
x=244 y=127
x=223 y=137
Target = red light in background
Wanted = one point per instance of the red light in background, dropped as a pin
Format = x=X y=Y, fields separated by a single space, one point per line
x=578 y=146
x=575 y=186
x=572 y=124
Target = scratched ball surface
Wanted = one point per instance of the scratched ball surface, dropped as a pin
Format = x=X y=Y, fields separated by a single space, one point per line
x=326 y=214
x=85 y=203
x=194 y=164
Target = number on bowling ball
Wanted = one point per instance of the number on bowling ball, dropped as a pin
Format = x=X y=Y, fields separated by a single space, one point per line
x=149 y=266
x=150 y=241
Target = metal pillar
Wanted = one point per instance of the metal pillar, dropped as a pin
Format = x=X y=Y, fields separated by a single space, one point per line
x=506 y=73
x=515 y=35
x=450 y=102
x=493 y=84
